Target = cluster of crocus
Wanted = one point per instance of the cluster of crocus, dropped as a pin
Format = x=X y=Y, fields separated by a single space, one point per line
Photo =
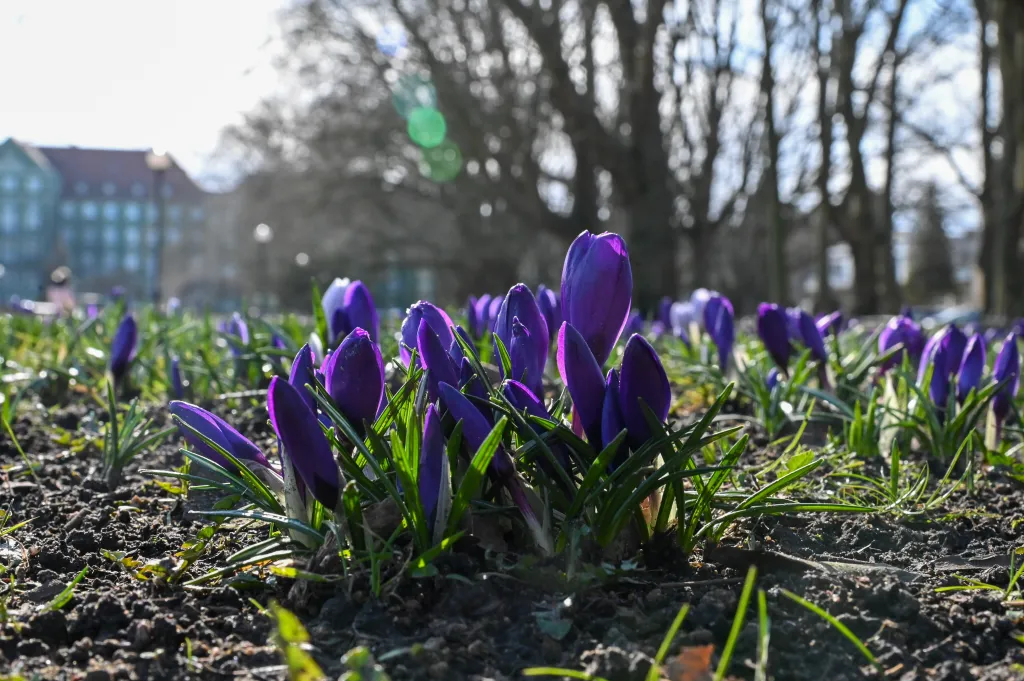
x=348 y=306
x=904 y=332
x=719 y=322
x=606 y=405
x=237 y=333
x=481 y=314
x=122 y=348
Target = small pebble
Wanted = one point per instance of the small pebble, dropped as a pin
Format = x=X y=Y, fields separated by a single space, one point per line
x=438 y=670
x=476 y=648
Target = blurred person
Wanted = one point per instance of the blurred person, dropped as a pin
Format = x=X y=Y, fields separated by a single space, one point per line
x=59 y=291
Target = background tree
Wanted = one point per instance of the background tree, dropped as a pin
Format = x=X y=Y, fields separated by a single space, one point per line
x=931 y=257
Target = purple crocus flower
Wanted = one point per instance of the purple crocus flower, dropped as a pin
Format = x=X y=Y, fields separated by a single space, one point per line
x=177 y=383
x=92 y=311
x=719 y=322
x=303 y=442
x=971 y=367
x=354 y=378
x=773 y=329
x=681 y=315
x=435 y=359
x=432 y=461
x=331 y=302
x=493 y=306
x=642 y=378
x=597 y=290
x=582 y=377
x=360 y=310
x=612 y=422
x=665 y=311
x=956 y=343
x=122 y=348
x=635 y=324
x=473 y=320
x=900 y=330
x=928 y=356
x=772 y=379
x=302 y=373
x=117 y=293
x=1006 y=368
x=219 y=431
x=810 y=336
x=793 y=323
x=938 y=387
x=238 y=327
x=830 y=324
x=438 y=320
x=550 y=307
x=522 y=328
x=698 y=299
x=523 y=399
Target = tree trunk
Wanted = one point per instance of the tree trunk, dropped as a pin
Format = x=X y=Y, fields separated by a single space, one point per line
x=890 y=298
x=653 y=248
x=1009 y=229
x=826 y=301
x=985 y=259
x=778 y=280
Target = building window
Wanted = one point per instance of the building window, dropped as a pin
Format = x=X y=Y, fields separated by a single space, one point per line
x=131 y=261
x=89 y=210
x=88 y=261
x=33 y=216
x=132 y=212
x=8 y=217
x=138 y=190
x=132 y=236
x=174 y=213
x=67 y=235
x=67 y=209
x=197 y=214
x=91 y=235
x=33 y=184
x=173 y=235
x=151 y=236
x=30 y=246
x=10 y=183
x=110 y=210
x=109 y=188
x=110 y=235
x=151 y=212
x=110 y=261
x=81 y=188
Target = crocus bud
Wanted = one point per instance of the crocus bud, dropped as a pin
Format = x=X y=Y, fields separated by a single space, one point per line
x=938 y=388
x=582 y=377
x=360 y=311
x=177 y=383
x=642 y=378
x=956 y=343
x=532 y=339
x=831 y=324
x=475 y=429
x=493 y=306
x=238 y=328
x=438 y=320
x=773 y=329
x=665 y=311
x=793 y=323
x=474 y=387
x=1006 y=368
x=550 y=307
x=523 y=399
x=719 y=322
x=597 y=290
x=219 y=431
x=810 y=336
x=681 y=315
x=928 y=356
x=304 y=442
x=302 y=374
x=122 y=348
x=772 y=379
x=117 y=293
x=435 y=359
x=473 y=320
x=971 y=367
x=455 y=350
x=354 y=376
x=432 y=461
x=698 y=299
x=612 y=422
x=900 y=330
x=333 y=300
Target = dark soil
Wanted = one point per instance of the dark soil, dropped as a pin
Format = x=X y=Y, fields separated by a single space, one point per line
x=480 y=618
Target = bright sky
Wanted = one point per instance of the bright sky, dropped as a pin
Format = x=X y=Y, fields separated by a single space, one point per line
x=132 y=73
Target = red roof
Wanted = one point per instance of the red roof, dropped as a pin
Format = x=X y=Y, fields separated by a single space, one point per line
x=91 y=173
